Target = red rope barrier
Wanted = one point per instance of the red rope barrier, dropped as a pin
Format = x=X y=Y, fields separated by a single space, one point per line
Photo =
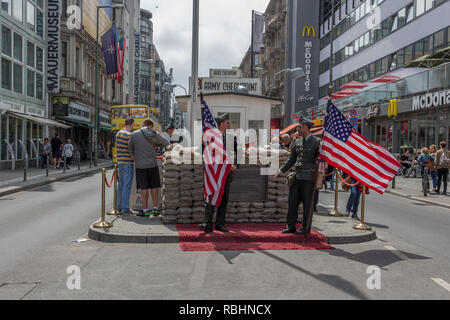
x=328 y=175
x=109 y=185
x=345 y=182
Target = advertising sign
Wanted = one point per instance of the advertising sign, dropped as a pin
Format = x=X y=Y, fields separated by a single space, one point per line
x=303 y=51
x=60 y=106
x=53 y=45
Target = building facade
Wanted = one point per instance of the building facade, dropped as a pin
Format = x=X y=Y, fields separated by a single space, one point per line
x=23 y=99
x=379 y=38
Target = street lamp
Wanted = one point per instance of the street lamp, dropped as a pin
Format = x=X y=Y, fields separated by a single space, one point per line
x=169 y=87
x=97 y=89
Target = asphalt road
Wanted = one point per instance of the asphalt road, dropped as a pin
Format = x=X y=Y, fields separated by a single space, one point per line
x=37 y=228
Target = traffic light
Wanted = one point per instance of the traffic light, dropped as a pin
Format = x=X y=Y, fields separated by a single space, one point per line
x=393 y=108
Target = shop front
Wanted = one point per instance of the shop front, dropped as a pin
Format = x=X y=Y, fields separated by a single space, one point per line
x=422 y=121
x=22 y=132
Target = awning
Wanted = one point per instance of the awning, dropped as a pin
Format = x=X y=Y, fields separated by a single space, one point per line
x=79 y=123
x=288 y=130
x=388 y=78
x=44 y=121
x=431 y=60
x=353 y=85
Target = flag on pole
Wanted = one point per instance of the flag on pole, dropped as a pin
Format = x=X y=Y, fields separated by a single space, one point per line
x=110 y=53
x=217 y=164
x=120 y=47
x=344 y=148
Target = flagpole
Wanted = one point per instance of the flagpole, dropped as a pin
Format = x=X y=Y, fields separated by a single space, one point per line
x=335 y=212
x=97 y=106
x=251 y=53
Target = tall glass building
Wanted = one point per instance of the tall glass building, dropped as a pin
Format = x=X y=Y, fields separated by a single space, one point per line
x=398 y=49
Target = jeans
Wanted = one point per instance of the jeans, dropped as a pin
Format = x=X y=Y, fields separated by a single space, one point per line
x=332 y=181
x=434 y=177
x=353 y=201
x=126 y=174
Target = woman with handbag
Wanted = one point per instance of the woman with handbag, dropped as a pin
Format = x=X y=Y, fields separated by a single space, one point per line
x=424 y=160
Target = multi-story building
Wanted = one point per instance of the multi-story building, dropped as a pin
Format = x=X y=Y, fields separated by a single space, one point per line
x=23 y=99
x=375 y=38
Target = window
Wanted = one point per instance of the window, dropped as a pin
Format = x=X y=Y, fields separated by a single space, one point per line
x=6 y=6
x=401 y=17
x=394 y=20
x=31 y=14
x=30 y=54
x=17 y=10
x=377 y=68
x=393 y=62
x=6 y=74
x=40 y=23
x=30 y=83
x=400 y=58
x=420 y=9
x=6 y=41
x=385 y=27
x=409 y=54
x=418 y=49
x=439 y=40
x=39 y=59
x=384 y=64
x=18 y=78
x=18 y=47
x=372 y=70
x=428 y=45
x=410 y=10
x=39 y=87
x=429 y=4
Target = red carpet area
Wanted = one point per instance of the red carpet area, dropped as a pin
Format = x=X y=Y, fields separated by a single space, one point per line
x=248 y=237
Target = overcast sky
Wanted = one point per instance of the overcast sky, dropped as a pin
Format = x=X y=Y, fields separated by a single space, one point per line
x=225 y=33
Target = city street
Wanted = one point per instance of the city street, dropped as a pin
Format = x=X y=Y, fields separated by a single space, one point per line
x=37 y=228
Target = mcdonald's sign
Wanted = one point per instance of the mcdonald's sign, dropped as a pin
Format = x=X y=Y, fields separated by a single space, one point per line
x=393 y=108
x=309 y=29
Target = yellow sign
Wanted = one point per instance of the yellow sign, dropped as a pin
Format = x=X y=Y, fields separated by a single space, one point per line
x=309 y=29
x=393 y=108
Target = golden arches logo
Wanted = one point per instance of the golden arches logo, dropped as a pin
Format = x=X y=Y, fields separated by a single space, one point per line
x=309 y=29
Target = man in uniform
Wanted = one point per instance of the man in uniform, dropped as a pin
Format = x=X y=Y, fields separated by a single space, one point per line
x=223 y=123
x=304 y=155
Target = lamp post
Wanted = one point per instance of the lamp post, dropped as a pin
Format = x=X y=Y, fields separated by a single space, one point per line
x=97 y=89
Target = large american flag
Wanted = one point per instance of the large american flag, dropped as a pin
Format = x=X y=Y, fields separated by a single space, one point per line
x=217 y=164
x=344 y=148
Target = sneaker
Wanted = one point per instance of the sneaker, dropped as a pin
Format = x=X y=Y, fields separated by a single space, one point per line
x=355 y=216
x=155 y=212
x=144 y=214
x=129 y=211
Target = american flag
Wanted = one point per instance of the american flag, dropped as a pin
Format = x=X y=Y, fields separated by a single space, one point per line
x=217 y=164
x=344 y=148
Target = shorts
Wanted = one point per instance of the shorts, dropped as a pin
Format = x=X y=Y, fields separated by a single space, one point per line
x=57 y=155
x=148 y=178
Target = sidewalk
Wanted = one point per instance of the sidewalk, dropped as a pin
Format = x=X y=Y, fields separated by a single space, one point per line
x=411 y=188
x=13 y=181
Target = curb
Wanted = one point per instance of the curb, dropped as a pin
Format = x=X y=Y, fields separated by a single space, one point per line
x=103 y=236
x=51 y=180
x=402 y=195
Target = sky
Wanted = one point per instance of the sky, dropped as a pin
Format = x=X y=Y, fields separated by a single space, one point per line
x=225 y=34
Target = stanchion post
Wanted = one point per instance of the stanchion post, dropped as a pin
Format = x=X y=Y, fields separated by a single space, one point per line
x=79 y=160
x=114 y=211
x=335 y=212
x=103 y=224
x=65 y=164
x=362 y=225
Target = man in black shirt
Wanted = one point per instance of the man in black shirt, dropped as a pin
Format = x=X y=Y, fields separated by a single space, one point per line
x=56 y=151
x=406 y=162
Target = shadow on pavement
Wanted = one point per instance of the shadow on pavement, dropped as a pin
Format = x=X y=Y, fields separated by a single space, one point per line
x=333 y=280
x=380 y=258
x=230 y=255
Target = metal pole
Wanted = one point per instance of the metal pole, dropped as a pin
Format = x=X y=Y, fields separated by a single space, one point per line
x=335 y=212
x=103 y=224
x=114 y=211
x=79 y=160
x=362 y=225
x=97 y=107
x=195 y=49
x=251 y=53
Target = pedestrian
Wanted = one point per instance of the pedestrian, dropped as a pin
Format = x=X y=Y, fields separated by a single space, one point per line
x=285 y=142
x=67 y=153
x=56 y=151
x=223 y=123
x=405 y=161
x=45 y=152
x=168 y=133
x=331 y=171
x=356 y=189
x=423 y=158
x=442 y=164
x=433 y=171
x=126 y=168
x=304 y=156
x=142 y=146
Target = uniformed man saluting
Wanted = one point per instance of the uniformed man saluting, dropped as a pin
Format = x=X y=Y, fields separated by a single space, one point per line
x=304 y=155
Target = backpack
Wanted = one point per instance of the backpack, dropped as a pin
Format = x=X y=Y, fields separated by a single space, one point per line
x=444 y=161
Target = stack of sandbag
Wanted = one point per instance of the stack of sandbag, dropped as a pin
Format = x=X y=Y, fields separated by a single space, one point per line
x=170 y=192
